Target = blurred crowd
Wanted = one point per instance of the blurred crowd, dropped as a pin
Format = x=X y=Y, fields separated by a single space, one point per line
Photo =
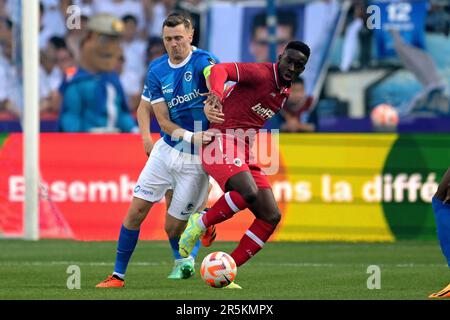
x=72 y=46
x=357 y=47
x=64 y=27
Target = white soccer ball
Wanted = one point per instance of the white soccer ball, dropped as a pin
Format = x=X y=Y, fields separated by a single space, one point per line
x=384 y=115
x=218 y=269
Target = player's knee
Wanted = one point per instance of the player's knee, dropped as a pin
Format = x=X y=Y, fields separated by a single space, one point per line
x=274 y=218
x=250 y=195
x=135 y=217
x=174 y=230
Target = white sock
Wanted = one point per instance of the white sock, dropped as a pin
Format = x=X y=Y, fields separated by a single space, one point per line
x=121 y=276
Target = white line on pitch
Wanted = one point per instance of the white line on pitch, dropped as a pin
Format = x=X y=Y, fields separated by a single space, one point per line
x=163 y=263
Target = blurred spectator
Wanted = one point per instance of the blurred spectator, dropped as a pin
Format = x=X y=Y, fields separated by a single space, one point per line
x=438 y=18
x=432 y=99
x=134 y=50
x=297 y=105
x=50 y=78
x=121 y=8
x=65 y=59
x=3 y=8
x=86 y=6
x=75 y=35
x=195 y=9
x=155 y=49
x=51 y=21
x=93 y=98
x=157 y=11
x=357 y=36
x=10 y=97
x=286 y=30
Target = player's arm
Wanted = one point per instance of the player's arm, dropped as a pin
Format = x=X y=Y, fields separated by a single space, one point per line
x=143 y=115
x=219 y=75
x=213 y=106
x=175 y=131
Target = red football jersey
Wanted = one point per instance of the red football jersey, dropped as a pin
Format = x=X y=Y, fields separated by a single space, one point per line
x=257 y=96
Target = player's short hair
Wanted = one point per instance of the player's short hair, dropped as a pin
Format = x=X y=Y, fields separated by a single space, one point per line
x=300 y=46
x=284 y=18
x=176 y=18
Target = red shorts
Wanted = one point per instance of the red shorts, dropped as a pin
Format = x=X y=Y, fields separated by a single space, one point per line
x=226 y=156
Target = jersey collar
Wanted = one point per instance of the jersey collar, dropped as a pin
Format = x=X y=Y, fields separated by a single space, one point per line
x=275 y=74
x=283 y=90
x=184 y=62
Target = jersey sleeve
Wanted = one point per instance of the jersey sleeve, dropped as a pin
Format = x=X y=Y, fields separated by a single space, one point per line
x=206 y=60
x=251 y=73
x=146 y=93
x=152 y=89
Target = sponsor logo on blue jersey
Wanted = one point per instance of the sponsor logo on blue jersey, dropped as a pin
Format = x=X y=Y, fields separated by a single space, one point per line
x=178 y=100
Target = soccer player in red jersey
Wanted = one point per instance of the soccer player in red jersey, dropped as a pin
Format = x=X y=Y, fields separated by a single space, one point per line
x=260 y=92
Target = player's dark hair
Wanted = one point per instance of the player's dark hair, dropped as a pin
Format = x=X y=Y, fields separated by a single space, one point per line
x=176 y=18
x=284 y=18
x=299 y=46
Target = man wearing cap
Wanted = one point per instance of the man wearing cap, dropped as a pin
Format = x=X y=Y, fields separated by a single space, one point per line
x=93 y=98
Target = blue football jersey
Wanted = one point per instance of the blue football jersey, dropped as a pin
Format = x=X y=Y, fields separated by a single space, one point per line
x=180 y=87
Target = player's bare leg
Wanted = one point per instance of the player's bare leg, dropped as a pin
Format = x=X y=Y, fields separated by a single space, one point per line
x=441 y=208
x=129 y=234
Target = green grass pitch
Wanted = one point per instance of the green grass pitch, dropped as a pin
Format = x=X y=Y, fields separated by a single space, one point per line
x=282 y=270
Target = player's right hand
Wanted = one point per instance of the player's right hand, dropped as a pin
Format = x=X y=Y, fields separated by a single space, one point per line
x=213 y=113
x=148 y=146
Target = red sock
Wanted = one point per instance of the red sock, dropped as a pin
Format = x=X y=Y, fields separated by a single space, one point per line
x=252 y=241
x=230 y=203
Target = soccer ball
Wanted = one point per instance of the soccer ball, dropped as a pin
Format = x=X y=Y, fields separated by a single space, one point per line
x=218 y=269
x=384 y=115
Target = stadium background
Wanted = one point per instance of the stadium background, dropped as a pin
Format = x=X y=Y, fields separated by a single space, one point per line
x=343 y=182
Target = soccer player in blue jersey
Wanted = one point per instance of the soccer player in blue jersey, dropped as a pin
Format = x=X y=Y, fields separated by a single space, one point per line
x=173 y=87
x=441 y=208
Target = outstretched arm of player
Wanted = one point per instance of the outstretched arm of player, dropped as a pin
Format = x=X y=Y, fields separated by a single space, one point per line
x=143 y=115
x=220 y=74
x=175 y=131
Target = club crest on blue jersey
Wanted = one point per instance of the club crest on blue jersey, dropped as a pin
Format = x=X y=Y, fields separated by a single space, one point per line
x=188 y=76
